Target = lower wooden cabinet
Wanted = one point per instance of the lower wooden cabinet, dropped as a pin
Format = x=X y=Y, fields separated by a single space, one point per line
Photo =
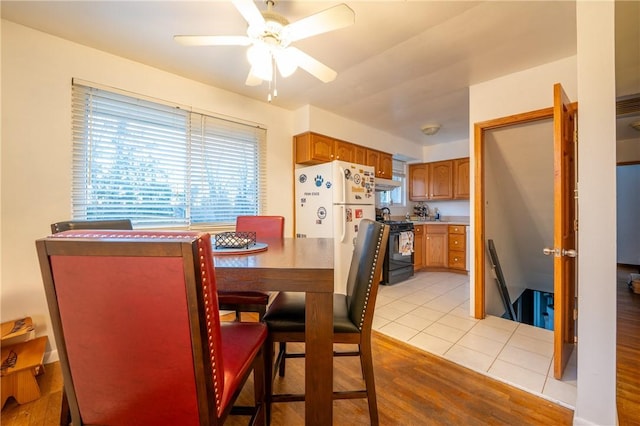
x=439 y=247
x=436 y=249
x=457 y=247
x=418 y=247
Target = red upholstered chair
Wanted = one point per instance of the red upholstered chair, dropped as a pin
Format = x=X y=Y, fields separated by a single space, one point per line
x=136 y=323
x=352 y=317
x=265 y=227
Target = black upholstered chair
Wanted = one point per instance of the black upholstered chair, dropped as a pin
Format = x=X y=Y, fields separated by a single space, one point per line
x=352 y=317
x=116 y=224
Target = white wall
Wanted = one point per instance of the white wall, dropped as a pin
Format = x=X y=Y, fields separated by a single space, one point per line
x=518 y=190
x=627 y=208
x=37 y=70
x=628 y=150
x=516 y=93
x=596 y=400
x=591 y=73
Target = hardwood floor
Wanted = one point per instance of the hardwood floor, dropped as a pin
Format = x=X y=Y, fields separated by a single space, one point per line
x=413 y=387
x=628 y=350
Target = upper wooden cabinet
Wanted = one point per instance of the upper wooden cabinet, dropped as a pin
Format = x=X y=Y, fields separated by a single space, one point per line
x=419 y=182
x=344 y=151
x=461 y=179
x=314 y=148
x=382 y=162
x=440 y=180
x=360 y=154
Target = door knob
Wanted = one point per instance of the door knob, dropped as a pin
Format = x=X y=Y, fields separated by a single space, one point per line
x=556 y=252
x=548 y=251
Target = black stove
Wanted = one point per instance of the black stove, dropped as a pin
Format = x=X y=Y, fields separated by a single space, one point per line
x=398 y=263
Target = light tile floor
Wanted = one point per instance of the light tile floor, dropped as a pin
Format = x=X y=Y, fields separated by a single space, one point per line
x=431 y=312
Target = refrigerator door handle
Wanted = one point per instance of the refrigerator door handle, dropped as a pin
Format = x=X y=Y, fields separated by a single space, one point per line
x=344 y=185
x=343 y=223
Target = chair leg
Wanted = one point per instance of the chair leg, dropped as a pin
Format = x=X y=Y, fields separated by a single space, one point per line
x=366 y=360
x=65 y=412
x=260 y=368
x=268 y=376
x=282 y=356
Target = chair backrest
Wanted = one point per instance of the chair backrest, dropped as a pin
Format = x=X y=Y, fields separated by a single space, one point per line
x=263 y=226
x=135 y=317
x=364 y=272
x=90 y=224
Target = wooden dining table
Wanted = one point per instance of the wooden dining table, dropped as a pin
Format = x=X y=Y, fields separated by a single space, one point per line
x=300 y=265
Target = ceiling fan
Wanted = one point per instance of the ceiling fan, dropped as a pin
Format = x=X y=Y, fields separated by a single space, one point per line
x=270 y=35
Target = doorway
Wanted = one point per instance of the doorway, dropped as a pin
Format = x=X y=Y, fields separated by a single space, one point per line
x=564 y=116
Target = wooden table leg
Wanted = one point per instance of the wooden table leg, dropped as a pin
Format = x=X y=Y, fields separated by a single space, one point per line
x=319 y=359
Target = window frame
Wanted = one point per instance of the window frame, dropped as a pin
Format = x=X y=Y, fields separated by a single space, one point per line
x=188 y=160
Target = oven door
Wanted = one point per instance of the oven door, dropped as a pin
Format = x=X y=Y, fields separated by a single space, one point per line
x=400 y=249
x=398 y=261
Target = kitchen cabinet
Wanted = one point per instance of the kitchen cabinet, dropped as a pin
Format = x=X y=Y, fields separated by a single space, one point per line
x=418 y=182
x=441 y=180
x=344 y=151
x=418 y=247
x=461 y=178
x=382 y=162
x=435 y=247
x=314 y=148
x=457 y=247
x=359 y=154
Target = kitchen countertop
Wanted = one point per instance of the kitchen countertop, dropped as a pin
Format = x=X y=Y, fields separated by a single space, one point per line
x=439 y=222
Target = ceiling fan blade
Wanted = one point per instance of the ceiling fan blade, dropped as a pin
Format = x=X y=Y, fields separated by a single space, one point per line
x=194 y=40
x=249 y=12
x=334 y=18
x=312 y=66
x=252 y=78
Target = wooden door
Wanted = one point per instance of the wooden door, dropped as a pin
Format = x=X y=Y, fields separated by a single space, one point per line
x=564 y=233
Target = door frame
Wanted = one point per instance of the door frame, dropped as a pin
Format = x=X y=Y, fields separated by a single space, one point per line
x=479 y=308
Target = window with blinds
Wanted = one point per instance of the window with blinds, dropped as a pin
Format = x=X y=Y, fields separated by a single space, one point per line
x=161 y=165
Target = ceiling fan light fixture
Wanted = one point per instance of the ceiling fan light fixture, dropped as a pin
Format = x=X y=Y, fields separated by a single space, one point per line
x=430 y=129
x=259 y=56
x=286 y=63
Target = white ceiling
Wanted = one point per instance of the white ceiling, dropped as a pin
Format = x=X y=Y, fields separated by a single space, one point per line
x=401 y=65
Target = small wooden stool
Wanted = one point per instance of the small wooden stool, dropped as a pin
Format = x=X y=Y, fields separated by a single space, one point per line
x=20 y=364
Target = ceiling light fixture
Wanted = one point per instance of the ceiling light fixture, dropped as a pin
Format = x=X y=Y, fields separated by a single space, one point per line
x=635 y=125
x=430 y=129
x=269 y=37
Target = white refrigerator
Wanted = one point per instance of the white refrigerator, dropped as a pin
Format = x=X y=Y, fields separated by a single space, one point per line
x=331 y=200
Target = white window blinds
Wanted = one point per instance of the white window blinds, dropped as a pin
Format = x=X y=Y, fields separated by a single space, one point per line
x=160 y=165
